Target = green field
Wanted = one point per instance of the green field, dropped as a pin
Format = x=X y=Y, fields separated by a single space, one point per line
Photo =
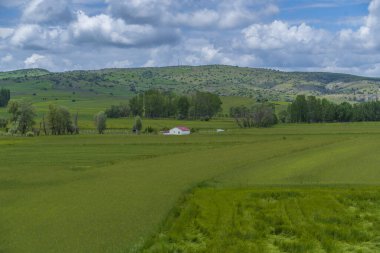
x=291 y=188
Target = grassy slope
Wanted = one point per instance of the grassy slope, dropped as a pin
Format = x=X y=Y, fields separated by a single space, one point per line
x=106 y=193
x=223 y=80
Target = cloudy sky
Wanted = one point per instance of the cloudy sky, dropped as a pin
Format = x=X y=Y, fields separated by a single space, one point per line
x=307 y=35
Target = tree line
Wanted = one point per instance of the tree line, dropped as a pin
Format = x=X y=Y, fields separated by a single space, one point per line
x=160 y=104
x=312 y=110
x=259 y=115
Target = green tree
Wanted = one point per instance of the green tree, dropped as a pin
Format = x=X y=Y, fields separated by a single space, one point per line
x=5 y=96
x=22 y=116
x=137 y=125
x=136 y=104
x=183 y=107
x=263 y=115
x=205 y=105
x=59 y=120
x=100 y=122
x=298 y=109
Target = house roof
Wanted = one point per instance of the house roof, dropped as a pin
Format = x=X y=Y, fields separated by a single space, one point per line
x=182 y=128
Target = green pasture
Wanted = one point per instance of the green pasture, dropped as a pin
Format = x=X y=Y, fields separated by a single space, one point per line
x=111 y=193
x=274 y=220
x=87 y=105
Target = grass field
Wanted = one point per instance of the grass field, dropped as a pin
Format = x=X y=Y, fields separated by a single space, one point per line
x=294 y=220
x=113 y=193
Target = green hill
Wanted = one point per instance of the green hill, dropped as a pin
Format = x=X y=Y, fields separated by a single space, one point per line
x=220 y=79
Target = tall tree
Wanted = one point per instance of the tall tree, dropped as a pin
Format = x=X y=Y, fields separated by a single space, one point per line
x=137 y=125
x=5 y=96
x=183 y=107
x=59 y=120
x=100 y=122
x=22 y=116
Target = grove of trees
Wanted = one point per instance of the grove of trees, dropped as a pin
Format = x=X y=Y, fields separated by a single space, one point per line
x=311 y=109
x=259 y=115
x=59 y=120
x=160 y=104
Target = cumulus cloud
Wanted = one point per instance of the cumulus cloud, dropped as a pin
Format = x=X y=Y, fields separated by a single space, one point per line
x=197 y=14
x=129 y=33
x=279 y=35
x=38 y=61
x=103 y=29
x=36 y=37
x=140 y=11
x=48 y=12
x=367 y=37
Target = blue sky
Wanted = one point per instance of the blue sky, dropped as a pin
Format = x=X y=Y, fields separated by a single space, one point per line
x=294 y=35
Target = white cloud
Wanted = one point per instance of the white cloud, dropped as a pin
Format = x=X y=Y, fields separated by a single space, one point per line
x=38 y=61
x=36 y=37
x=103 y=29
x=47 y=11
x=367 y=37
x=279 y=35
x=7 y=58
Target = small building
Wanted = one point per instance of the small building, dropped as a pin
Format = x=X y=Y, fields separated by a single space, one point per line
x=180 y=130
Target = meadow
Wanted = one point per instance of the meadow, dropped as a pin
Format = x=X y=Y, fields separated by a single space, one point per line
x=290 y=188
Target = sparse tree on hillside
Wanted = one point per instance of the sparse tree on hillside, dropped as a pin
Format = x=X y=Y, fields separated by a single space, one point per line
x=100 y=122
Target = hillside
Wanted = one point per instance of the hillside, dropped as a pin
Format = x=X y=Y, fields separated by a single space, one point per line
x=220 y=79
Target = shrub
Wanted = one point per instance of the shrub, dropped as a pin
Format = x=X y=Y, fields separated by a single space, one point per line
x=3 y=123
x=29 y=134
x=150 y=130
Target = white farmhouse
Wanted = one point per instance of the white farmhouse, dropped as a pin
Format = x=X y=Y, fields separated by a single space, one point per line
x=180 y=130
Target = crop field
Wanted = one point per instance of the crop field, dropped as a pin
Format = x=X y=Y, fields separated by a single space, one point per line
x=294 y=220
x=290 y=188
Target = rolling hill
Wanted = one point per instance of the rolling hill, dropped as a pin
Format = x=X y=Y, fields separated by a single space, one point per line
x=223 y=80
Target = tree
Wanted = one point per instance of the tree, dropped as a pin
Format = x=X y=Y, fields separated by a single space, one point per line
x=263 y=115
x=260 y=115
x=22 y=116
x=298 y=109
x=59 y=120
x=283 y=116
x=136 y=104
x=100 y=122
x=204 y=105
x=5 y=96
x=137 y=125
x=118 y=111
x=183 y=107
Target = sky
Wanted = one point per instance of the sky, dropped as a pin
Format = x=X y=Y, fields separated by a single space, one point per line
x=293 y=35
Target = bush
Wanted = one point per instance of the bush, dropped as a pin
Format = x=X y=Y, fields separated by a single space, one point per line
x=29 y=134
x=150 y=130
x=3 y=123
x=194 y=130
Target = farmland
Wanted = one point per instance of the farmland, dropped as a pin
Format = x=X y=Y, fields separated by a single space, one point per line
x=290 y=188
x=126 y=193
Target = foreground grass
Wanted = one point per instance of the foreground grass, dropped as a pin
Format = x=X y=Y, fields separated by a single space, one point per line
x=92 y=193
x=294 y=220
